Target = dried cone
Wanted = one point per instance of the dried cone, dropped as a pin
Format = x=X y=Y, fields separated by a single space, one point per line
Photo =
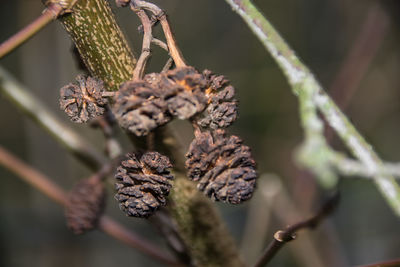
x=83 y=100
x=142 y=185
x=182 y=89
x=139 y=109
x=85 y=205
x=222 y=165
x=222 y=109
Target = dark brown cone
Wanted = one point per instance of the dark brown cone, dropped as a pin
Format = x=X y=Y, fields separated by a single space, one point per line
x=222 y=109
x=222 y=165
x=142 y=186
x=83 y=100
x=85 y=205
x=139 y=108
x=183 y=89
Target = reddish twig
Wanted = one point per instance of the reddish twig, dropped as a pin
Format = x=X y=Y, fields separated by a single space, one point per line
x=390 y=263
x=106 y=224
x=147 y=39
x=49 y=14
x=359 y=58
x=162 y=17
x=282 y=237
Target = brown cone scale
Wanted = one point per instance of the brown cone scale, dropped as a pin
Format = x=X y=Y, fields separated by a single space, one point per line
x=143 y=184
x=139 y=108
x=222 y=166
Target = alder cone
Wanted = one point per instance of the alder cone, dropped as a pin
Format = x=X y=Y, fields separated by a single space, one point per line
x=139 y=108
x=85 y=205
x=142 y=185
x=222 y=108
x=222 y=165
x=83 y=100
x=183 y=89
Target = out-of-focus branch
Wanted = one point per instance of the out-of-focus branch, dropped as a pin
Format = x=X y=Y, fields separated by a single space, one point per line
x=282 y=237
x=315 y=153
x=55 y=193
x=32 y=107
x=362 y=52
x=391 y=263
x=48 y=15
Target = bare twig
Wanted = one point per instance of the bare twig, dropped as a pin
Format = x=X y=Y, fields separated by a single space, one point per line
x=54 y=192
x=36 y=110
x=362 y=52
x=162 y=17
x=147 y=38
x=48 y=15
x=282 y=237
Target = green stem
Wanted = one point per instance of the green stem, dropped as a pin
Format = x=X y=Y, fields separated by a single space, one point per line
x=100 y=42
x=311 y=94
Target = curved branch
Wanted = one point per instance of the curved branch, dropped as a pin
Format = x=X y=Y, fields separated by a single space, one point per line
x=315 y=152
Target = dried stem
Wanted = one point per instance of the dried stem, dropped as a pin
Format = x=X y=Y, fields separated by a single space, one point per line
x=282 y=237
x=54 y=192
x=315 y=153
x=48 y=15
x=162 y=17
x=147 y=39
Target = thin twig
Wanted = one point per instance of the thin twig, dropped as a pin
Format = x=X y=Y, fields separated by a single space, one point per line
x=54 y=192
x=363 y=51
x=48 y=15
x=282 y=237
x=162 y=17
x=36 y=110
x=147 y=38
x=315 y=152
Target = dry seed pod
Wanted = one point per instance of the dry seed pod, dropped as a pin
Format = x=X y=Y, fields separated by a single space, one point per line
x=182 y=89
x=142 y=185
x=83 y=100
x=222 y=165
x=85 y=205
x=222 y=109
x=139 y=109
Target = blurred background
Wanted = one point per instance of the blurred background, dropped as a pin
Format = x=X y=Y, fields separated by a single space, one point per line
x=351 y=46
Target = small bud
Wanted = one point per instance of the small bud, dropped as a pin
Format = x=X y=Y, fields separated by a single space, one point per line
x=83 y=100
x=139 y=109
x=85 y=205
x=142 y=185
x=222 y=165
